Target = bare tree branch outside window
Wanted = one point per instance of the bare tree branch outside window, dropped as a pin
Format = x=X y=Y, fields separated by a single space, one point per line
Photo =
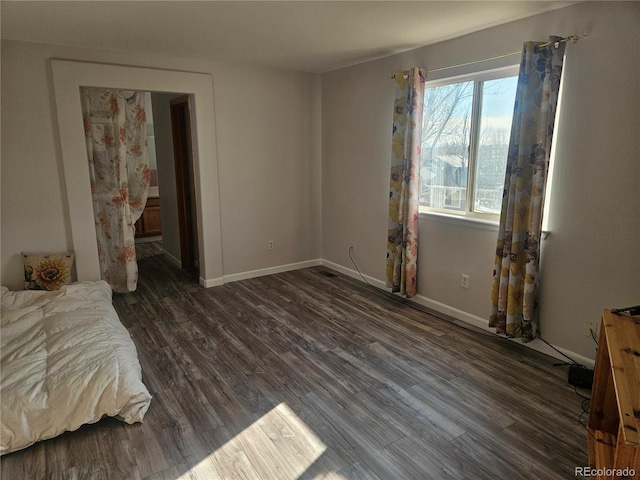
x=446 y=138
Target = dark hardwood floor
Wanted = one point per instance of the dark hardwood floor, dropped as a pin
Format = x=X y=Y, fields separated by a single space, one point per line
x=311 y=374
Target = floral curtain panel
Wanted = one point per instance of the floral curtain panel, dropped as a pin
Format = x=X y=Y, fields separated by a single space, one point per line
x=118 y=166
x=404 y=192
x=514 y=291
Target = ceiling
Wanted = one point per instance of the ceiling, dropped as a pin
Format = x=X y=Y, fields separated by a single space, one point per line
x=307 y=36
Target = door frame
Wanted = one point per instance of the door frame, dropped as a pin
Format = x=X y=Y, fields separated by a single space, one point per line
x=68 y=76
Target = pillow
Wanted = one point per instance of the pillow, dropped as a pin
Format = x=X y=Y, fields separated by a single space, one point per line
x=43 y=271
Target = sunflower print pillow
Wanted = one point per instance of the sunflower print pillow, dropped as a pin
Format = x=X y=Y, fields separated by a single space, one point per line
x=44 y=271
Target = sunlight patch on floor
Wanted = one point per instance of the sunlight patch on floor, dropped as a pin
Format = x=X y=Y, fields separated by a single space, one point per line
x=277 y=445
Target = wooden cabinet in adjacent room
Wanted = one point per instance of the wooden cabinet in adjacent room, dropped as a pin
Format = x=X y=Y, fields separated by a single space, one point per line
x=149 y=223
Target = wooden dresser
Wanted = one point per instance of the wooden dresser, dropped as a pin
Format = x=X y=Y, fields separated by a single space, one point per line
x=613 y=431
x=148 y=225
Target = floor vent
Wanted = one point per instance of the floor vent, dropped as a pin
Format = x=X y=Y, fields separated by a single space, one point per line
x=326 y=273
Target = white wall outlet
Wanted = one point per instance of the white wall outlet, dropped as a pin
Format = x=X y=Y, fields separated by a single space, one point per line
x=591 y=327
x=352 y=246
x=270 y=244
x=464 y=281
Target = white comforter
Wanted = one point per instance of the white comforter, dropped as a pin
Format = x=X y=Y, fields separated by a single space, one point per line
x=66 y=361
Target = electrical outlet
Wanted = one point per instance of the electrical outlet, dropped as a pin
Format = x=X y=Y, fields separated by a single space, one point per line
x=270 y=244
x=591 y=327
x=464 y=281
x=352 y=246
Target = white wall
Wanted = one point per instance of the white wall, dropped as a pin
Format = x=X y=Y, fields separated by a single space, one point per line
x=270 y=190
x=264 y=160
x=591 y=259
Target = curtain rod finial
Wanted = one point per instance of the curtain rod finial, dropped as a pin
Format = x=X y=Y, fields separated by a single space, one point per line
x=575 y=38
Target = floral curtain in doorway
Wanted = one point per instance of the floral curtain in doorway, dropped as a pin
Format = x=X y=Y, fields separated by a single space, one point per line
x=404 y=192
x=514 y=291
x=118 y=167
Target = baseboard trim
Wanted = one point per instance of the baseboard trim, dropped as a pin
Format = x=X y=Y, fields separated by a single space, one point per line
x=172 y=259
x=211 y=282
x=235 y=277
x=352 y=273
x=205 y=282
x=478 y=322
x=438 y=307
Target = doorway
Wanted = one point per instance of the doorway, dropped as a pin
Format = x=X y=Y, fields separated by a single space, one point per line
x=68 y=77
x=185 y=181
x=176 y=158
x=169 y=127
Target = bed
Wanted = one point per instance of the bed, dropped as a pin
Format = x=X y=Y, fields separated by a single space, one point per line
x=66 y=360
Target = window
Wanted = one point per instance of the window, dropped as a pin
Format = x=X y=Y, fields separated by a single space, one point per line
x=465 y=139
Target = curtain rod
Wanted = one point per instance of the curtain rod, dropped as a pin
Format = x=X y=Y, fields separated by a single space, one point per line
x=570 y=38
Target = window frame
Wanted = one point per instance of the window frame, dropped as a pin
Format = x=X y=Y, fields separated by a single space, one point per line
x=477 y=77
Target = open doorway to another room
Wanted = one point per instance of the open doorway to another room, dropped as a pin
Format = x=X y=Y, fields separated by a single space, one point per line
x=185 y=181
x=68 y=78
x=149 y=225
x=169 y=220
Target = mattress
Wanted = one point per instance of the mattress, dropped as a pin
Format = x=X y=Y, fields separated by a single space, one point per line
x=66 y=360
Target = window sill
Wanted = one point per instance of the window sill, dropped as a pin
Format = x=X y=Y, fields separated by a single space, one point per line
x=465 y=221
x=460 y=220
